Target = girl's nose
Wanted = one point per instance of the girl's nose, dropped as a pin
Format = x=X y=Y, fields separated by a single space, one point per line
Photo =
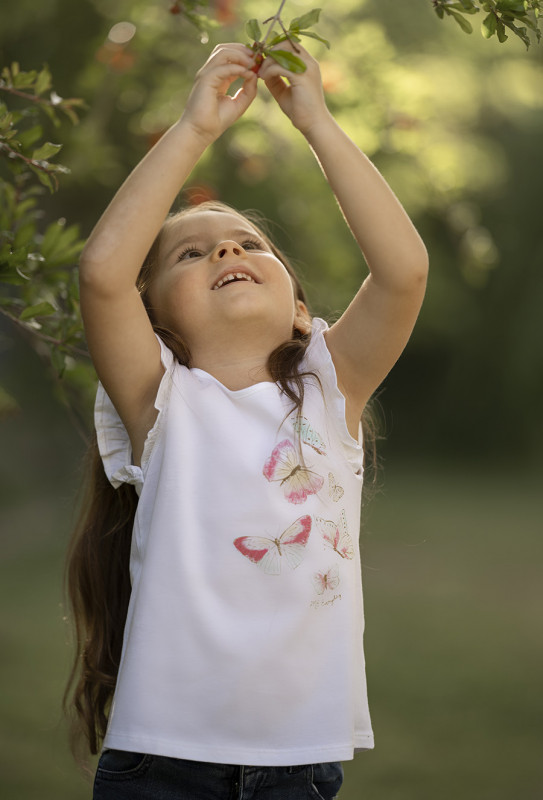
x=227 y=248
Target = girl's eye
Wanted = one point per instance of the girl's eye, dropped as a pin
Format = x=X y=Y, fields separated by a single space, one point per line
x=189 y=252
x=252 y=244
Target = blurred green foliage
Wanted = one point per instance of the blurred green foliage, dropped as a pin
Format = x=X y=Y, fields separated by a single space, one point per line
x=36 y=266
x=453 y=122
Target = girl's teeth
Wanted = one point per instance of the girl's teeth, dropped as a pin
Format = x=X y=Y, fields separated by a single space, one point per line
x=229 y=278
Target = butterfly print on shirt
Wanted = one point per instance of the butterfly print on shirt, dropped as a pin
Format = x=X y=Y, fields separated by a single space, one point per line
x=334 y=489
x=326 y=580
x=309 y=435
x=337 y=536
x=269 y=553
x=284 y=466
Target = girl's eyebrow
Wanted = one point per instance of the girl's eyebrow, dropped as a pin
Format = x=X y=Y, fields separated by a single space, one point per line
x=201 y=238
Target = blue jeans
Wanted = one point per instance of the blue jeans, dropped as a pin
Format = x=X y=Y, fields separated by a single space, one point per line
x=122 y=775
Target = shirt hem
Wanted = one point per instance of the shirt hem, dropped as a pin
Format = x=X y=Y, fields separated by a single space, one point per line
x=258 y=757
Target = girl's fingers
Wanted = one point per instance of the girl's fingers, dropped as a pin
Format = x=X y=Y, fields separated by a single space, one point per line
x=247 y=93
x=232 y=46
x=276 y=85
x=230 y=54
x=271 y=69
x=225 y=71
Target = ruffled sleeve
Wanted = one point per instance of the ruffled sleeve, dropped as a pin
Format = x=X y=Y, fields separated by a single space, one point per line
x=318 y=359
x=113 y=440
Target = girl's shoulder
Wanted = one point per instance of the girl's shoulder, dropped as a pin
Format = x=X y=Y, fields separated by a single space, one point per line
x=121 y=456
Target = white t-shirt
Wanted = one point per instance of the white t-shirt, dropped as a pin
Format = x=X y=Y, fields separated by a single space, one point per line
x=243 y=640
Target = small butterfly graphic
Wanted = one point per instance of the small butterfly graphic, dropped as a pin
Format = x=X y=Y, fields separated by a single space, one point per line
x=340 y=541
x=268 y=553
x=309 y=435
x=326 y=580
x=334 y=489
x=283 y=466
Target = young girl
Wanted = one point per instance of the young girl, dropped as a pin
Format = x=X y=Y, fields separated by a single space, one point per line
x=238 y=425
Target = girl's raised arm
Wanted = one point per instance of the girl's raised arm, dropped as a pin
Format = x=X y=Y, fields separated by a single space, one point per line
x=121 y=341
x=369 y=337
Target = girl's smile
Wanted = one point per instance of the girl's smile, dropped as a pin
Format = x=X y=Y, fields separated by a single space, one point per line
x=230 y=277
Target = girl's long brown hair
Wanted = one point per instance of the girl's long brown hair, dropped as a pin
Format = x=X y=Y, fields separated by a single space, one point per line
x=97 y=577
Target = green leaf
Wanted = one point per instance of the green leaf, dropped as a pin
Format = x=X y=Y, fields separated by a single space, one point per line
x=70 y=113
x=46 y=151
x=61 y=246
x=23 y=80
x=306 y=20
x=45 y=179
x=489 y=25
x=502 y=35
x=464 y=23
x=29 y=137
x=6 y=121
x=462 y=8
x=51 y=113
x=522 y=33
x=511 y=5
x=278 y=38
x=24 y=235
x=43 y=82
x=43 y=309
x=9 y=195
x=253 y=30
x=23 y=207
x=287 y=60
x=52 y=238
x=316 y=36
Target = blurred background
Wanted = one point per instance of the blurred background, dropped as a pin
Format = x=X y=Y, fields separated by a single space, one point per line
x=451 y=542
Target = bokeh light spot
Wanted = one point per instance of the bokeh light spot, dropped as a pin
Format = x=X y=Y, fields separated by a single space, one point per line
x=122 y=32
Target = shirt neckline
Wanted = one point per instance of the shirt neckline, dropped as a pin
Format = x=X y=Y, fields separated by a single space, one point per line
x=254 y=387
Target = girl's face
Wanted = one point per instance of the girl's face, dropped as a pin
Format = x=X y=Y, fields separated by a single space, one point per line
x=215 y=271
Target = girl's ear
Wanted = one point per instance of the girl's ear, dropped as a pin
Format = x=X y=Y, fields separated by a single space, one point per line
x=302 y=318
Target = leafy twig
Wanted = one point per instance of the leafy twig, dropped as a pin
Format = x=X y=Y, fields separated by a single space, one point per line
x=50 y=340
x=43 y=166
x=272 y=20
x=263 y=47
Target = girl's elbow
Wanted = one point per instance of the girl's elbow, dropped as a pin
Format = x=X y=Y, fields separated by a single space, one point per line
x=97 y=279
x=418 y=268
x=92 y=275
x=422 y=273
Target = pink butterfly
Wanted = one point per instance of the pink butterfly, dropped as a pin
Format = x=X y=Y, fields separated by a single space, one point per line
x=298 y=482
x=268 y=553
x=326 y=580
x=340 y=541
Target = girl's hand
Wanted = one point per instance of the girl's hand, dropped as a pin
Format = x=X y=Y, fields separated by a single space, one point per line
x=301 y=96
x=209 y=109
